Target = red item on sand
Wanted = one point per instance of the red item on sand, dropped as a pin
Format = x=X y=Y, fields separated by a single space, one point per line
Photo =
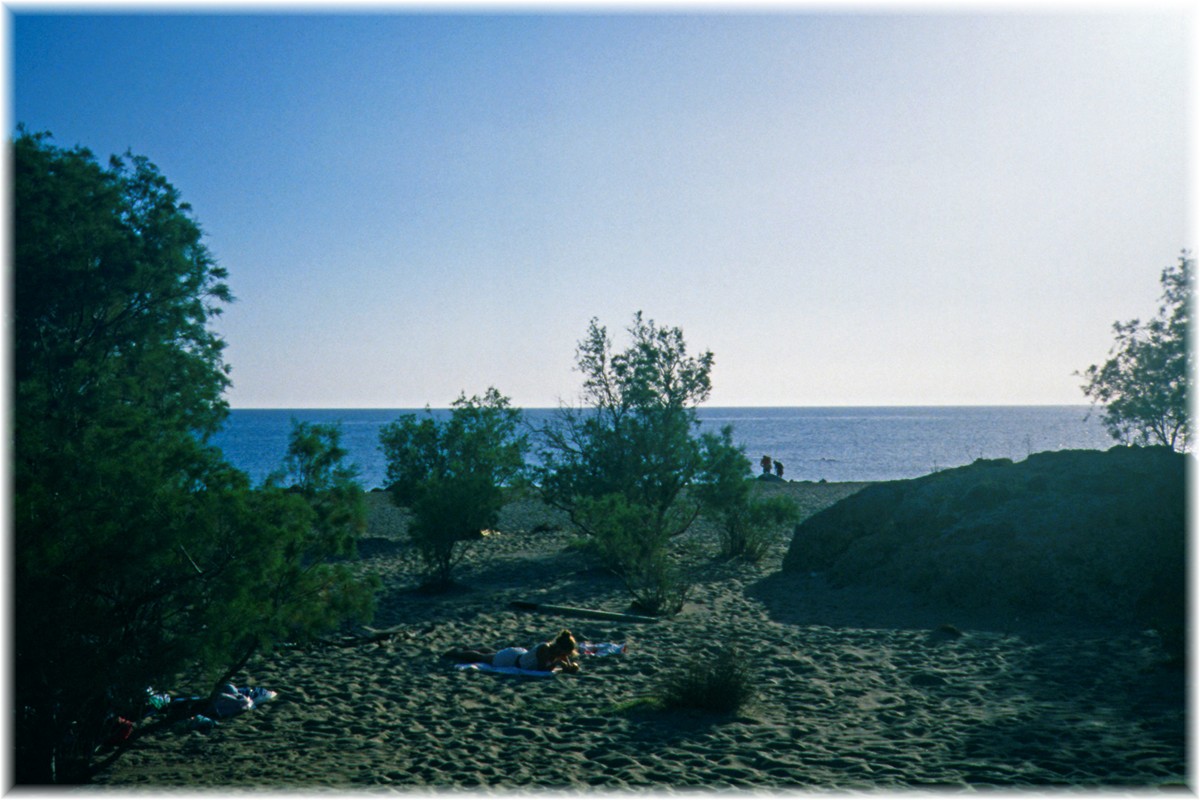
x=121 y=734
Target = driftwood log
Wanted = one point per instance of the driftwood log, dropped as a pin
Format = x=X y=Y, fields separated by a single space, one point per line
x=368 y=635
x=582 y=612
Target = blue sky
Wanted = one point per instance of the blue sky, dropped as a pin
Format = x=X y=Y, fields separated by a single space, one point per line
x=852 y=208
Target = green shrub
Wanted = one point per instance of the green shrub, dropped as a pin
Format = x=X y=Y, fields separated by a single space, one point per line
x=746 y=522
x=635 y=438
x=984 y=495
x=627 y=539
x=448 y=517
x=314 y=467
x=747 y=531
x=721 y=684
x=452 y=475
x=658 y=585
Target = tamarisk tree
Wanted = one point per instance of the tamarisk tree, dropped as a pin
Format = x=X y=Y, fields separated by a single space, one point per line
x=139 y=554
x=452 y=473
x=1145 y=386
x=621 y=464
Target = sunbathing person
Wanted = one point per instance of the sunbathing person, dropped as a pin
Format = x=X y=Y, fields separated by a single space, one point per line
x=544 y=657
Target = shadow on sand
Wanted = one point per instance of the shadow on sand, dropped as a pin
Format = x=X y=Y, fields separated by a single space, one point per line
x=811 y=600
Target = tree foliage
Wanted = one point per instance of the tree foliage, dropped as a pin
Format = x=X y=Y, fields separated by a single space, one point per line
x=634 y=435
x=630 y=452
x=746 y=521
x=452 y=473
x=315 y=468
x=312 y=591
x=138 y=552
x=629 y=539
x=1145 y=385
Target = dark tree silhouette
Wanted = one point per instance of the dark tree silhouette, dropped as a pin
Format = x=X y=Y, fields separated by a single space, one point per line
x=138 y=552
x=1145 y=385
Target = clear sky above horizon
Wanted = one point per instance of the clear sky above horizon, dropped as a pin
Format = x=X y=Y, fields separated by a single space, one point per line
x=855 y=208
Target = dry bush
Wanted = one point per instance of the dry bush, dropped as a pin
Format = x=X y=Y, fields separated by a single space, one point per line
x=722 y=684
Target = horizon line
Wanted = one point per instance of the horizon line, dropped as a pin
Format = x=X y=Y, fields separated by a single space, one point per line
x=703 y=407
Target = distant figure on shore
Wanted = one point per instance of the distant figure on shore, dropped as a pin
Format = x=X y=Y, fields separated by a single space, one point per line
x=543 y=657
x=766 y=465
x=778 y=468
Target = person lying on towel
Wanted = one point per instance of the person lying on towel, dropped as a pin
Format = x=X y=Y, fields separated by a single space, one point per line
x=545 y=657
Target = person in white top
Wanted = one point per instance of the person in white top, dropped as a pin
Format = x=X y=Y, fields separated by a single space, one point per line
x=545 y=657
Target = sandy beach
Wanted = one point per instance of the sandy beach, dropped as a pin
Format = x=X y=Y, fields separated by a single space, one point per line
x=857 y=689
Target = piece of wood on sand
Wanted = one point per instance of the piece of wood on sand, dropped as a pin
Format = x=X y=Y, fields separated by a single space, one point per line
x=582 y=612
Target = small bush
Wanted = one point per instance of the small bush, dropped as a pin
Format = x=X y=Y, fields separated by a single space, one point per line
x=629 y=540
x=453 y=475
x=449 y=516
x=747 y=523
x=721 y=684
x=658 y=586
x=747 y=532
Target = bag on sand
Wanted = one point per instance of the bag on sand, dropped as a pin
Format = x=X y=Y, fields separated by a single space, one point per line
x=230 y=702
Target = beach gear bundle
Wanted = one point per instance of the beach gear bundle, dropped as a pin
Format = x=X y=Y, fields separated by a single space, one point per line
x=201 y=714
x=600 y=649
x=122 y=729
x=233 y=701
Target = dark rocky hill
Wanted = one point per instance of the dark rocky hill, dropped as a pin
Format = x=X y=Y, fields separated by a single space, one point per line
x=1081 y=533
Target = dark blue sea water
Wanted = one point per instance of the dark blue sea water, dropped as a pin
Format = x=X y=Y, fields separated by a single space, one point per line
x=834 y=444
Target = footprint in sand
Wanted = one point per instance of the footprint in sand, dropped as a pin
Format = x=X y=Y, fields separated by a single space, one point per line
x=467 y=704
x=876 y=701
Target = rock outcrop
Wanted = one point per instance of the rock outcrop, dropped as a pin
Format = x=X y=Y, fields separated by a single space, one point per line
x=1084 y=533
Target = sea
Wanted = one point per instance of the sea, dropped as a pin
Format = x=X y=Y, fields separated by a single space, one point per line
x=813 y=444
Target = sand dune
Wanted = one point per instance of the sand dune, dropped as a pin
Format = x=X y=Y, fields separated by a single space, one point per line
x=856 y=689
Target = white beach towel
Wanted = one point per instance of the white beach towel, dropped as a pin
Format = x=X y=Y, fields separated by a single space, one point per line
x=533 y=673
